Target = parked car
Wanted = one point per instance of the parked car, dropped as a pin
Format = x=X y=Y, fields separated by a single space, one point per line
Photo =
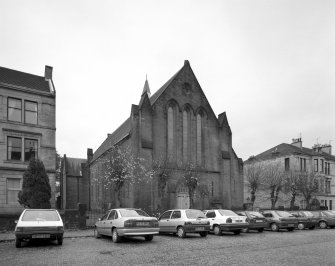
x=226 y=220
x=183 y=221
x=325 y=219
x=280 y=220
x=125 y=222
x=256 y=220
x=305 y=219
x=39 y=224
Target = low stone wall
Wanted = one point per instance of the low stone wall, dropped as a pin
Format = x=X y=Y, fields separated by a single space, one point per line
x=7 y=221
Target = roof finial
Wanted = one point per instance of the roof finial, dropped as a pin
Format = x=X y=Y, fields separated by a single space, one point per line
x=146 y=88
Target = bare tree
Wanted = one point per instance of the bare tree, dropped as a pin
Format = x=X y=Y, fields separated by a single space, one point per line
x=191 y=180
x=307 y=184
x=273 y=180
x=253 y=177
x=291 y=180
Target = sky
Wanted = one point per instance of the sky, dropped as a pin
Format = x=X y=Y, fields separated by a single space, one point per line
x=269 y=64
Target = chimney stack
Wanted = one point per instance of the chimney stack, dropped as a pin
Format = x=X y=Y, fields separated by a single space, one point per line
x=48 y=72
x=327 y=148
x=89 y=155
x=297 y=142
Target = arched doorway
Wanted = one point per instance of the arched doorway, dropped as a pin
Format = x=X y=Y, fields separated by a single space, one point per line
x=183 y=198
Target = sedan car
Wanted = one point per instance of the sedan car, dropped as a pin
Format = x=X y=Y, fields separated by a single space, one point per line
x=305 y=219
x=255 y=219
x=226 y=220
x=280 y=220
x=39 y=224
x=324 y=219
x=183 y=221
x=122 y=222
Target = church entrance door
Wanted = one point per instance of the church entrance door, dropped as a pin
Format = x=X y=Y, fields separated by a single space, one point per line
x=183 y=198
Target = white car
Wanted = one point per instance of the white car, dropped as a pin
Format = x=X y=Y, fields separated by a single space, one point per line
x=226 y=220
x=127 y=222
x=39 y=224
x=182 y=221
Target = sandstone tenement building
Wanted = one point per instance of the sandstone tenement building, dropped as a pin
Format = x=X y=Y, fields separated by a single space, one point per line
x=27 y=129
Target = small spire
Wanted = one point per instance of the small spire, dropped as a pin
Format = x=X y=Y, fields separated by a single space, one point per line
x=146 y=88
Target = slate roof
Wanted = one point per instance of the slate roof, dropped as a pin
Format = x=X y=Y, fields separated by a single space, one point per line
x=73 y=166
x=285 y=149
x=22 y=79
x=112 y=139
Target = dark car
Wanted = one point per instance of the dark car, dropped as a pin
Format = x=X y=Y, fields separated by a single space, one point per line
x=256 y=220
x=305 y=219
x=325 y=219
x=280 y=220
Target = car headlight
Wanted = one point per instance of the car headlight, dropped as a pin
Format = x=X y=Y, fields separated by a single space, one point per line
x=60 y=228
x=18 y=229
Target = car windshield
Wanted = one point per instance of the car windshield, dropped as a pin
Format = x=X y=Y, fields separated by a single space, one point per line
x=284 y=214
x=255 y=214
x=133 y=213
x=40 y=215
x=227 y=213
x=329 y=213
x=308 y=214
x=194 y=214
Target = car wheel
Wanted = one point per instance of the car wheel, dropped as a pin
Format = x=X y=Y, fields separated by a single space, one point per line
x=301 y=226
x=115 y=236
x=323 y=225
x=96 y=234
x=290 y=229
x=203 y=234
x=274 y=227
x=149 y=237
x=237 y=232
x=181 y=232
x=260 y=230
x=60 y=241
x=17 y=243
x=217 y=230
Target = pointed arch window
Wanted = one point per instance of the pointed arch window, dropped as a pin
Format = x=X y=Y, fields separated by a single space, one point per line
x=170 y=132
x=186 y=134
x=199 y=138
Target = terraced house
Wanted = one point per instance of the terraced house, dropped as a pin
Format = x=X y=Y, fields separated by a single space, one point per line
x=174 y=128
x=27 y=129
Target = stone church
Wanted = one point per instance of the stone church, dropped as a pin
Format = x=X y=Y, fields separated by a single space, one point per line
x=174 y=128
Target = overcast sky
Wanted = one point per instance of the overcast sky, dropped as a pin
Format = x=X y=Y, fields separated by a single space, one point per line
x=270 y=65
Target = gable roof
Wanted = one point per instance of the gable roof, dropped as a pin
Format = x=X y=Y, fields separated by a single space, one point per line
x=23 y=80
x=285 y=149
x=158 y=93
x=73 y=166
x=120 y=133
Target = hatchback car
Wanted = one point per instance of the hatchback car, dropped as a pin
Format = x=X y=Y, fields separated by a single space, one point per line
x=255 y=219
x=325 y=219
x=305 y=219
x=226 y=220
x=280 y=220
x=122 y=222
x=39 y=224
x=184 y=221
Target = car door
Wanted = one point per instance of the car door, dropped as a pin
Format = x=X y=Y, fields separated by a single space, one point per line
x=100 y=225
x=175 y=221
x=211 y=217
x=164 y=221
x=109 y=222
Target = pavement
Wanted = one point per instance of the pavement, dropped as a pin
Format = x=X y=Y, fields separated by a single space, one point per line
x=69 y=233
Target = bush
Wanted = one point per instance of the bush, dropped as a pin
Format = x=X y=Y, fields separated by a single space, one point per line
x=36 y=190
